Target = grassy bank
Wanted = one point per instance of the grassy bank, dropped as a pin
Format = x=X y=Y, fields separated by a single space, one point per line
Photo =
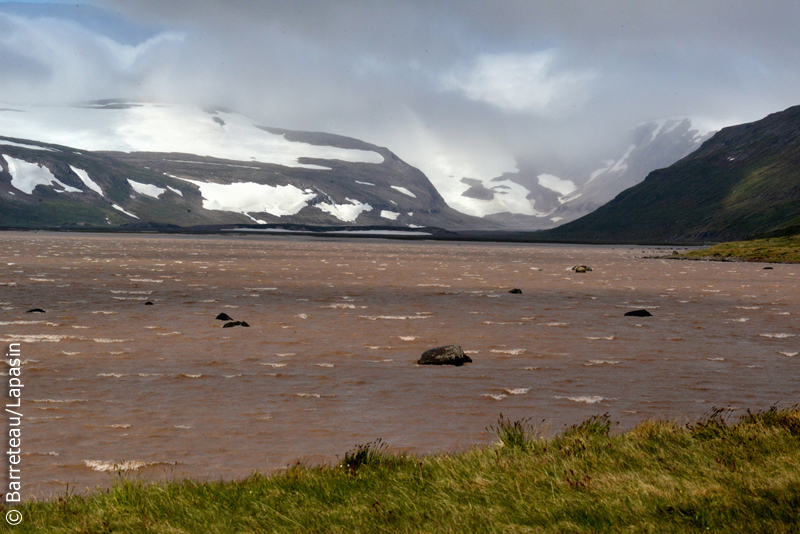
x=710 y=476
x=784 y=249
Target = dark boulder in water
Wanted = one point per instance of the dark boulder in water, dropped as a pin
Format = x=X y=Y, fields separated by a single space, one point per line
x=447 y=355
x=235 y=323
x=638 y=313
x=224 y=317
x=581 y=269
x=767 y=267
x=149 y=303
x=36 y=310
x=516 y=291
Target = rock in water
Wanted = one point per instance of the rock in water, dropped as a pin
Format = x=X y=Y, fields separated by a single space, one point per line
x=767 y=267
x=224 y=317
x=235 y=323
x=638 y=313
x=149 y=303
x=581 y=269
x=36 y=310
x=516 y=291
x=448 y=355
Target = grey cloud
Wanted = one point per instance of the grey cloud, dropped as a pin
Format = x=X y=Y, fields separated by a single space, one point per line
x=435 y=81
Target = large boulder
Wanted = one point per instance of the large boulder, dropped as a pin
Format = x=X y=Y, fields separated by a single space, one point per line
x=235 y=323
x=638 y=313
x=448 y=355
x=224 y=317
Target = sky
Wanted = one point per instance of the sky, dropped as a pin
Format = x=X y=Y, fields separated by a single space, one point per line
x=458 y=89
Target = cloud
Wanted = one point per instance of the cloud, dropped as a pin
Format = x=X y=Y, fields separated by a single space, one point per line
x=50 y=60
x=458 y=89
x=527 y=83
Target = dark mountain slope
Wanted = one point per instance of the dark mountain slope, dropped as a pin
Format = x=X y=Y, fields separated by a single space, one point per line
x=745 y=180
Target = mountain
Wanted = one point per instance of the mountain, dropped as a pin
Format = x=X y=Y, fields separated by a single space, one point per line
x=743 y=181
x=115 y=162
x=563 y=193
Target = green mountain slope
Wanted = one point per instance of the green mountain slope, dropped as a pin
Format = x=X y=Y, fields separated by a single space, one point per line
x=743 y=181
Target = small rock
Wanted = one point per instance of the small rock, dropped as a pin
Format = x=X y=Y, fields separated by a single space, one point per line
x=767 y=267
x=235 y=323
x=516 y=291
x=36 y=310
x=447 y=355
x=675 y=253
x=638 y=313
x=149 y=303
x=224 y=317
x=581 y=269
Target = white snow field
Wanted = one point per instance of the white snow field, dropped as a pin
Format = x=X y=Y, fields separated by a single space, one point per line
x=147 y=189
x=404 y=191
x=554 y=183
x=24 y=145
x=119 y=208
x=249 y=197
x=26 y=176
x=84 y=176
x=345 y=212
x=166 y=128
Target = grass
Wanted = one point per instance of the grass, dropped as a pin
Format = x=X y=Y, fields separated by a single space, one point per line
x=709 y=476
x=784 y=249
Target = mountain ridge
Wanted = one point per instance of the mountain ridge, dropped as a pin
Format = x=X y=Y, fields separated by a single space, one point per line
x=742 y=182
x=298 y=177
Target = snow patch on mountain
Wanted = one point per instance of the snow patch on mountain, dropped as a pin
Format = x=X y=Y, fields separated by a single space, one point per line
x=147 y=189
x=345 y=212
x=554 y=183
x=26 y=176
x=23 y=145
x=119 y=208
x=386 y=214
x=88 y=182
x=137 y=127
x=249 y=197
x=404 y=191
x=508 y=197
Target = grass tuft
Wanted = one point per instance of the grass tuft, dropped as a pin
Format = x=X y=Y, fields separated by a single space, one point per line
x=369 y=454
x=513 y=434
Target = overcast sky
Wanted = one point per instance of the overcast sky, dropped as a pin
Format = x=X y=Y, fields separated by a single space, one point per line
x=455 y=88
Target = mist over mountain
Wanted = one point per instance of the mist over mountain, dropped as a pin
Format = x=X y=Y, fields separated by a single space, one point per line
x=555 y=200
x=742 y=182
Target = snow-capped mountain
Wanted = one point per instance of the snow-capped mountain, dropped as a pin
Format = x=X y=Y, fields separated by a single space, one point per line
x=537 y=199
x=114 y=162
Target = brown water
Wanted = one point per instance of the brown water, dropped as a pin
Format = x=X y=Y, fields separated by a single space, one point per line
x=336 y=327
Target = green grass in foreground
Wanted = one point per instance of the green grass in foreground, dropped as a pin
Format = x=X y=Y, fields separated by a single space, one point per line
x=775 y=249
x=710 y=476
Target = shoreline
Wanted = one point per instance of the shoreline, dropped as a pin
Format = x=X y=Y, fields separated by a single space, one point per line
x=711 y=473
